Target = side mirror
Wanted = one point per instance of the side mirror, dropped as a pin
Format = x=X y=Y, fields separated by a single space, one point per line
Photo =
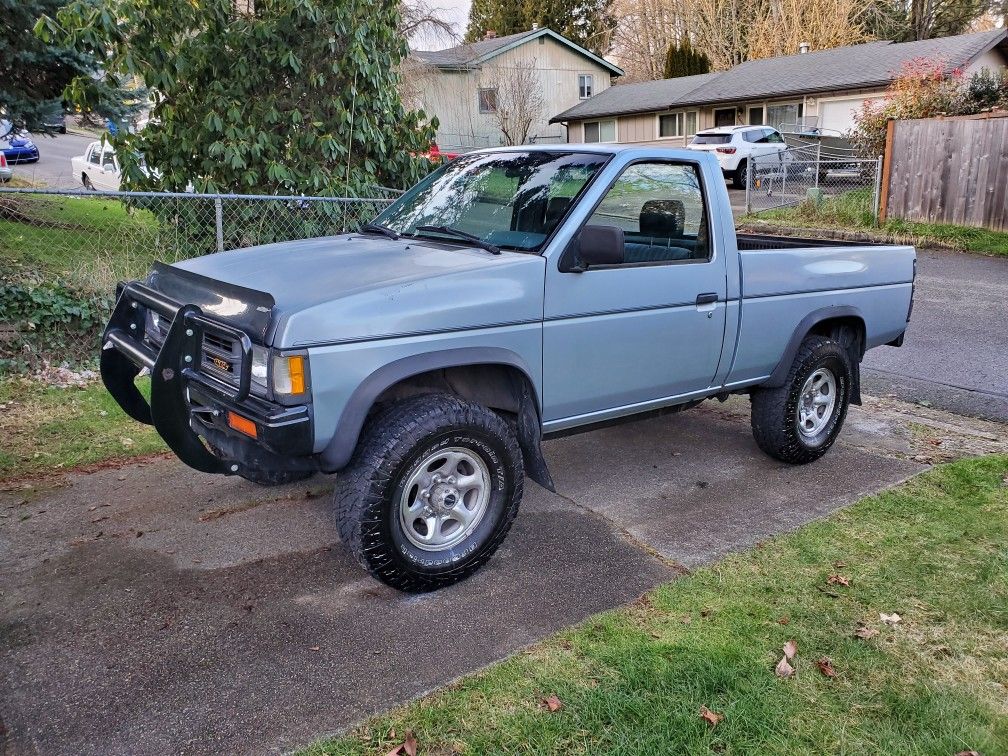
x=600 y=245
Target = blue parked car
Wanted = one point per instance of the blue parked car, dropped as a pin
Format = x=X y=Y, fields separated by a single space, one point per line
x=19 y=149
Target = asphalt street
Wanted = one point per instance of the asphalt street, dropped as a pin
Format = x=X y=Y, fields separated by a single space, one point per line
x=955 y=355
x=152 y=609
x=53 y=167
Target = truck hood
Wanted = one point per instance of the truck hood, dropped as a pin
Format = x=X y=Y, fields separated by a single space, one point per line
x=354 y=287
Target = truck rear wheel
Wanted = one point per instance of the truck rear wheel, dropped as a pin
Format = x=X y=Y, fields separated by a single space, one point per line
x=799 y=421
x=430 y=493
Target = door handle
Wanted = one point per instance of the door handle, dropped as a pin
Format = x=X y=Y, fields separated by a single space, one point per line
x=709 y=297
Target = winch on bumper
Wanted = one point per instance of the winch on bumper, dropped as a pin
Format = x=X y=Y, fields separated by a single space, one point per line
x=194 y=411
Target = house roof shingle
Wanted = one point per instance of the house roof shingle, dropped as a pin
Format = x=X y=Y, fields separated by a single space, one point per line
x=870 y=64
x=473 y=54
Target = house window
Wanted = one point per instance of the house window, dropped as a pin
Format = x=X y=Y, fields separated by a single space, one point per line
x=586 y=86
x=487 y=100
x=600 y=131
x=784 y=114
x=671 y=125
x=756 y=115
x=724 y=117
x=677 y=124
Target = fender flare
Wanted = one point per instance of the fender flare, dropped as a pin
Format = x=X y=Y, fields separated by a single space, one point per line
x=340 y=448
x=810 y=321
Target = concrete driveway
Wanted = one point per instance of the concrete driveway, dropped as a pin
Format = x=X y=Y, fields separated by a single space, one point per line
x=152 y=609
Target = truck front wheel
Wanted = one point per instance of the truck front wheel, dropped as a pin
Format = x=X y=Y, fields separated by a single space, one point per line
x=799 y=421
x=431 y=491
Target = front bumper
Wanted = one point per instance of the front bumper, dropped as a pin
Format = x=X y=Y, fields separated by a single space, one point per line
x=188 y=406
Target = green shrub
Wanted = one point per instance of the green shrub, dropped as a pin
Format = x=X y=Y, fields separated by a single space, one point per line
x=49 y=322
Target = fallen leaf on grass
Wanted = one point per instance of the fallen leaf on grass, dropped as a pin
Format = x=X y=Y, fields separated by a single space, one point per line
x=552 y=703
x=968 y=753
x=783 y=669
x=838 y=580
x=712 y=717
x=864 y=633
x=826 y=667
x=784 y=621
x=790 y=649
x=889 y=619
x=407 y=747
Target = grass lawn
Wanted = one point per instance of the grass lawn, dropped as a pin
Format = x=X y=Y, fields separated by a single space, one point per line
x=934 y=551
x=87 y=241
x=852 y=211
x=46 y=429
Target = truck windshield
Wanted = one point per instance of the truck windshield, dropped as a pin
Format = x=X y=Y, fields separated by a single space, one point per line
x=511 y=200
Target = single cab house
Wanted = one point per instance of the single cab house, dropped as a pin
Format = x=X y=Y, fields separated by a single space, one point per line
x=809 y=92
x=465 y=87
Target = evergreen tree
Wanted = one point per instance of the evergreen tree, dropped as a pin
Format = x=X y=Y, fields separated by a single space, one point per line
x=588 y=23
x=33 y=74
x=683 y=60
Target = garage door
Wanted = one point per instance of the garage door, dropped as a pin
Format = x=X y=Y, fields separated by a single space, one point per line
x=838 y=115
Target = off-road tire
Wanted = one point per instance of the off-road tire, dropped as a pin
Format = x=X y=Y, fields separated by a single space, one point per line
x=269 y=478
x=775 y=410
x=368 y=491
x=739 y=175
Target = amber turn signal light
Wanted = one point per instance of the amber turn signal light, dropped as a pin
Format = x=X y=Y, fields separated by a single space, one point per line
x=242 y=424
x=296 y=366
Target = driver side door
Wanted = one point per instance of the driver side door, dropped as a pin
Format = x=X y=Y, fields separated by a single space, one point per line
x=627 y=337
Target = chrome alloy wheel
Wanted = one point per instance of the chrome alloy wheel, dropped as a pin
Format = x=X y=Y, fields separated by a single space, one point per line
x=816 y=402
x=444 y=499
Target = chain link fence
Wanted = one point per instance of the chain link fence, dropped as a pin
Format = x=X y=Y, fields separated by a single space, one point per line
x=64 y=251
x=811 y=181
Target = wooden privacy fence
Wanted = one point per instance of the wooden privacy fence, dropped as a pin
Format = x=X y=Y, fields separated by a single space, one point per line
x=947 y=170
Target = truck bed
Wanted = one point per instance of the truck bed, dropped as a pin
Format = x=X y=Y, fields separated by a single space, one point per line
x=783 y=281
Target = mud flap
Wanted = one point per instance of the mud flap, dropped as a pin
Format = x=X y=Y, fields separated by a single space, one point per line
x=530 y=440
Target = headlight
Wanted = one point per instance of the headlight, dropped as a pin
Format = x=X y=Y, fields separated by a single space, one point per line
x=260 y=367
x=290 y=375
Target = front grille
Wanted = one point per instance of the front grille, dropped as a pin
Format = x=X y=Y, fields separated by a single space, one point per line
x=222 y=357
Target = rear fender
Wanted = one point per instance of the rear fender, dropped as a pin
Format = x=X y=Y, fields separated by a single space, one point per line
x=854 y=344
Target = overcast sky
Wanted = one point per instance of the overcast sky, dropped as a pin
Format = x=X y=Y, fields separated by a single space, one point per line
x=455 y=11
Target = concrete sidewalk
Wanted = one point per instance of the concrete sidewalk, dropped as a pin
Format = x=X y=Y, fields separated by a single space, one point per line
x=152 y=609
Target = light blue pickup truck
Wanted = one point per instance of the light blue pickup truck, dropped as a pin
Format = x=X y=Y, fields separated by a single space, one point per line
x=513 y=295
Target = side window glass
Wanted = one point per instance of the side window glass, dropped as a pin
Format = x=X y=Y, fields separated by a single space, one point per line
x=661 y=209
x=108 y=159
x=95 y=155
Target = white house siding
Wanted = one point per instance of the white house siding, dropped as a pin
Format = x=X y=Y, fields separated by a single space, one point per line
x=452 y=97
x=992 y=60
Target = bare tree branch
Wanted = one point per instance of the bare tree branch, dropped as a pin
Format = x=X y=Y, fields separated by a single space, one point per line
x=520 y=99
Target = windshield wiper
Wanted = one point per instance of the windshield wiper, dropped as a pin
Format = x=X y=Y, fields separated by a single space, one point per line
x=449 y=231
x=375 y=228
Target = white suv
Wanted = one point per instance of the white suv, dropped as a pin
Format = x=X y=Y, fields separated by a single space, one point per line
x=734 y=146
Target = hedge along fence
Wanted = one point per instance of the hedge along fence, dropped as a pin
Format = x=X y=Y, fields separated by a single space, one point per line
x=947 y=170
x=63 y=253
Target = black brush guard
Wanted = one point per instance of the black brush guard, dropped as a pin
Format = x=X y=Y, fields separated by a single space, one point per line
x=182 y=395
